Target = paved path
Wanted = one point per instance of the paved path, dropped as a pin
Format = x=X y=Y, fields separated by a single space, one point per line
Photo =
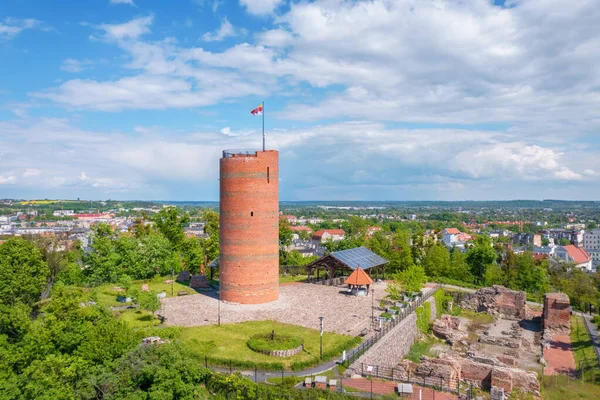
x=560 y=356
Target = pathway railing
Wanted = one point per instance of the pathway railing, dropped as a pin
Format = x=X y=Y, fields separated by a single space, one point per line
x=354 y=354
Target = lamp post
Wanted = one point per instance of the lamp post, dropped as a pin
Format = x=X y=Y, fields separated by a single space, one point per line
x=372 y=306
x=321 y=346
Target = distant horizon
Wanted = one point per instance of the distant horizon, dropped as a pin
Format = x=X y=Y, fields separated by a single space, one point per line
x=307 y=201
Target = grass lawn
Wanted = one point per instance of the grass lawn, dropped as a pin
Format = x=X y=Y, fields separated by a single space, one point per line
x=138 y=318
x=561 y=387
x=228 y=342
x=477 y=318
x=108 y=297
x=583 y=348
x=290 y=278
x=419 y=349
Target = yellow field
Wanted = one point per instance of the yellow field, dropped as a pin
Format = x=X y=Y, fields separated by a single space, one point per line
x=38 y=202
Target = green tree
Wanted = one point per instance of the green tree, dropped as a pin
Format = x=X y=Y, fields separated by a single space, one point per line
x=545 y=241
x=412 y=279
x=148 y=301
x=170 y=221
x=531 y=278
x=23 y=272
x=459 y=269
x=493 y=275
x=210 y=245
x=156 y=256
x=564 y=242
x=285 y=233
x=436 y=261
x=481 y=256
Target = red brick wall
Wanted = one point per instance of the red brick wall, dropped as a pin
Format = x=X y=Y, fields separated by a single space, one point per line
x=249 y=228
x=557 y=312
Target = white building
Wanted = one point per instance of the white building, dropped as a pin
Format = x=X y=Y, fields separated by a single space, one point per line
x=591 y=243
x=59 y=213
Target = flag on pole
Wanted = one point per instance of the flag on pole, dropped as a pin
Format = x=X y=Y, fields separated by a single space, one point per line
x=257 y=111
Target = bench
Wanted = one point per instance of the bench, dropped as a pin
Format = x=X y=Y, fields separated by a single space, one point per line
x=182 y=293
x=363 y=332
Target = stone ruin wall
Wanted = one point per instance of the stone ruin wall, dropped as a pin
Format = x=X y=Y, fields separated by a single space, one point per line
x=556 y=317
x=496 y=300
x=480 y=371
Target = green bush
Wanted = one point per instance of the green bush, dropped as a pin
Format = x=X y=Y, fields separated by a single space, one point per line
x=441 y=302
x=242 y=388
x=267 y=342
x=423 y=315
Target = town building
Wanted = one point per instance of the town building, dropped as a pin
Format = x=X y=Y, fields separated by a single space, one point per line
x=591 y=243
x=325 y=235
x=576 y=255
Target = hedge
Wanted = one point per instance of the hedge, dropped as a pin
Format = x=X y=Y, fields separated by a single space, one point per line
x=242 y=388
x=267 y=342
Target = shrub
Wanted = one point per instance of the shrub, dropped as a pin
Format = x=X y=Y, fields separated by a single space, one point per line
x=423 y=316
x=267 y=342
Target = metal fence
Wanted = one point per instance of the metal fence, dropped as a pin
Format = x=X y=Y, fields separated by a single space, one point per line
x=593 y=338
x=354 y=354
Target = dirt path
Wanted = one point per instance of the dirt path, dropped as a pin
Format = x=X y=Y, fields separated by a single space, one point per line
x=560 y=356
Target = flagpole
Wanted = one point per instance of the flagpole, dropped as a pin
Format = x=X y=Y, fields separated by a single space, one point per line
x=263 y=118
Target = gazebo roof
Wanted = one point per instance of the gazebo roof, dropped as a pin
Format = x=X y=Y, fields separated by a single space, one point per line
x=359 y=277
x=351 y=258
x=359 y=256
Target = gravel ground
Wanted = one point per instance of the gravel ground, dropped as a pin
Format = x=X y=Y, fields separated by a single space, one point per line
x=299 y=304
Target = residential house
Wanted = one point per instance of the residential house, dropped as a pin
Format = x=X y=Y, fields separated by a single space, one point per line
x=452 y=237
x=574 y=254
x=324 y=235
x=526 y=239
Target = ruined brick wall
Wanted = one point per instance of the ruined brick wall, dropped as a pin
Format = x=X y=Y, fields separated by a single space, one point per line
x=556 y=317
x=496 y=300
x=249 y=228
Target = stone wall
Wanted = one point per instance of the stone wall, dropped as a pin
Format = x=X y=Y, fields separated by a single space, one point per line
x=286 y=353
x=495 y=300
x=556 y=318
x=390 y=349
x=433 y=308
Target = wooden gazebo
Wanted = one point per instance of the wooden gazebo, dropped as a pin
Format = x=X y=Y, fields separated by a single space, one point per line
x=357 y=280
x=340 y=263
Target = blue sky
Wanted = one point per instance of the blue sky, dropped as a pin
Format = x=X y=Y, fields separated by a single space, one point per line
x=365 y=100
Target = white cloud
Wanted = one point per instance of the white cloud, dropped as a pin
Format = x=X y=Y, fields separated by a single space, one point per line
x=226 y=30
x=275 y=38
x=228 y=132
x=361 y=160
x=130 y=2
x=71 y=65
x=128 y=30
x=31 y=172
x=260 y=7
x=5 y=180
x=11 y=27
x=215 y=6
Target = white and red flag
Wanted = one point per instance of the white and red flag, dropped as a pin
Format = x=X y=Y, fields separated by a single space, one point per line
x=257 y=111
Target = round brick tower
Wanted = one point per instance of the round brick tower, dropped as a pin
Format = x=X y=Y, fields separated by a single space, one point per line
x=249 y=227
